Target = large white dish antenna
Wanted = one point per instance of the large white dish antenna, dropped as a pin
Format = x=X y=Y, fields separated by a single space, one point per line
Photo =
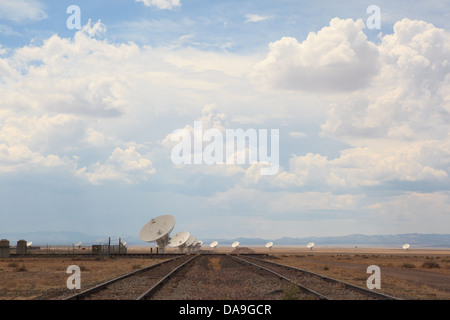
x=157 y=230
x=191 y=247
x=190 y=242
x=406 y=246
x=124 y=243
x=29 y=243
x=78 y=244
x=235 y=244
x=179 y=240
x=269 y=244
x=196 y=245
x=310 y=245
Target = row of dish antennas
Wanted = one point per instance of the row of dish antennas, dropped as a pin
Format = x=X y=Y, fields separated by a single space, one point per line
x=158 y=230
x=309 y=245
x=269 y=245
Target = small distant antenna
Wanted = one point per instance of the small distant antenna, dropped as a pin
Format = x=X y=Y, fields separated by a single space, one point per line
x=310 y=245
x=269 y=245
x=406 y=246
x=29 y=243
x=78 y=244
x=214 y=245
x=235 y=244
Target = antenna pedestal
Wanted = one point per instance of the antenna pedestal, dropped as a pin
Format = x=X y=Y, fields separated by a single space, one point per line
x=161 y=243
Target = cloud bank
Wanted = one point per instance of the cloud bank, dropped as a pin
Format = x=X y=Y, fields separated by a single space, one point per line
x=337 y=58
x=102 y=113
x=161 y=4
x=22 y=10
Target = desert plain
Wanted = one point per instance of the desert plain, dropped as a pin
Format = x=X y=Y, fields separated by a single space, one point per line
x=417 y=274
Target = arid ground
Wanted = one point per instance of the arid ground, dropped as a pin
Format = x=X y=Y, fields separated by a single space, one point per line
x=407 y=274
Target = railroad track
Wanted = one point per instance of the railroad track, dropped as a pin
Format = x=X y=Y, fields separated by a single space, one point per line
x=322 y=287
x=221 y=276
x=213 y=277
x=136 y=285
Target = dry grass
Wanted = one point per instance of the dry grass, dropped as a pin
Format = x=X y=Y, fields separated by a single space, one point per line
x=34 y=277
x=352 y=268
x=214 y=263
x=31 y=278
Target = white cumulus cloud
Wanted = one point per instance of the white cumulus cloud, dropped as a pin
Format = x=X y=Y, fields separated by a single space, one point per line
x=20 y=10
x=397 y=128
x=161 y=4
x=337 y=58
x=123 y=165
x=255 y=18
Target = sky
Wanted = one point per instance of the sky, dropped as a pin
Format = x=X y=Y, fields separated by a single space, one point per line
x=90 y=103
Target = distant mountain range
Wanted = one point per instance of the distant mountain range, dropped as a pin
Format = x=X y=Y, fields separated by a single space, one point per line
x=43 y=238
x=414 y=239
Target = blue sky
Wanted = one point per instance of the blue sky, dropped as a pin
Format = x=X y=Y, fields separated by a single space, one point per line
x=86 y=116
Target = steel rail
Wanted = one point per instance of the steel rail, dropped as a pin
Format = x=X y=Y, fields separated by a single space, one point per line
x=86 y=293
x=316 y=294
x=373 y=294
x=150 y=292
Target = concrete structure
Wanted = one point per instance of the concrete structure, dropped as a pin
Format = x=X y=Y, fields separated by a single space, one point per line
x=21 y=247
x=4 y=248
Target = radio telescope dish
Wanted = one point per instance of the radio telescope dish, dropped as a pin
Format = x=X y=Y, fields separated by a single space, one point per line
x=198 y=243
x=29 y=243
x=179 y=240
x=235 y=244
x=269 y=244
x=196 y=246
x=157 y=230
x=78 y=244
x=310 y=245
x=214 y=245
x=405 y=246
x=124 y=243
x=190 y=242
